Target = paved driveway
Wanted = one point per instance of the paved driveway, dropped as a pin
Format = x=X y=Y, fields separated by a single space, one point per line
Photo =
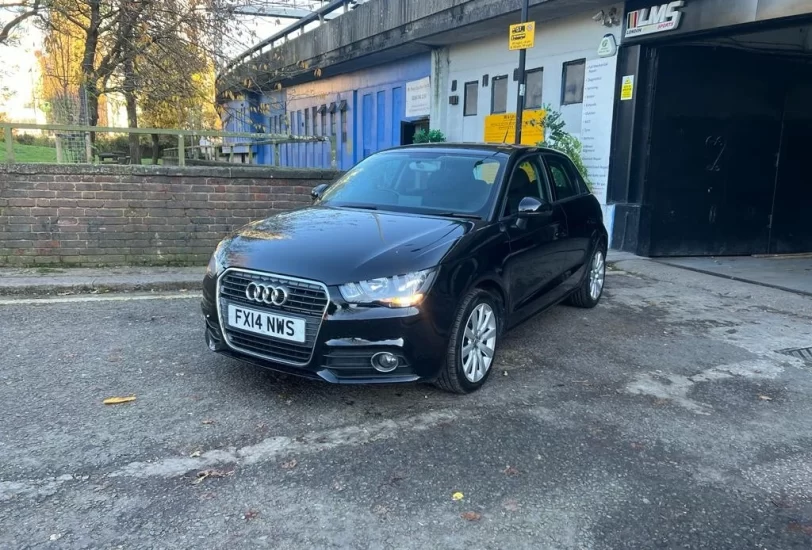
x=663 y=418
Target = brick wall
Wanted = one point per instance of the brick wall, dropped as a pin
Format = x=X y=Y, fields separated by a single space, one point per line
x=136 y=215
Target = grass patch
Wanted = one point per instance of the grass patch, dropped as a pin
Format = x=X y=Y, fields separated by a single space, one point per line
x=29 y=153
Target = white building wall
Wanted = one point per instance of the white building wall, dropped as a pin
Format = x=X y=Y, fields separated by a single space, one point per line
x=557 y=42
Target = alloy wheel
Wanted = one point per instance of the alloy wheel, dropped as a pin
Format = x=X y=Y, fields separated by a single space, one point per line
x=597 y=275
x=478 y=343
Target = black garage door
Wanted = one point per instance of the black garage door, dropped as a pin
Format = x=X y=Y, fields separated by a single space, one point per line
x=717 y=183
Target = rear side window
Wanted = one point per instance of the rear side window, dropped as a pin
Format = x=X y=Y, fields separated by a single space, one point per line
x=565 y=181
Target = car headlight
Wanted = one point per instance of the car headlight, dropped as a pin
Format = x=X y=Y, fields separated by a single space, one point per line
x=398 y=291
x=216 y=264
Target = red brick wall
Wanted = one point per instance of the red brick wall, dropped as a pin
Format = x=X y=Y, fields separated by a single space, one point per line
x=136 y=215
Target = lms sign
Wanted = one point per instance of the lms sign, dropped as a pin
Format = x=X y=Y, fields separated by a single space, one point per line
x=664 y=17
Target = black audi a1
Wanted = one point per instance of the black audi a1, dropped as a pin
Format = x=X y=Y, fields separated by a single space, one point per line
x=409 y=267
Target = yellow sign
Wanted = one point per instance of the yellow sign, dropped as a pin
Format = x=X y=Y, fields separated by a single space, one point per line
x=502 y=128
x=627 y=88
x=522 y=36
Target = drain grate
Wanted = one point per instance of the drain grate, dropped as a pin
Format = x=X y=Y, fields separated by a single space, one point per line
x=800 y=353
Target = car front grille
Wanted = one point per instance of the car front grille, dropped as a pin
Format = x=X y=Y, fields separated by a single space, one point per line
x=306 y=300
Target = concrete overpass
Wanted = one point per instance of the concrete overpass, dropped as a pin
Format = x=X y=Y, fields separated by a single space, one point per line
x=377 y=32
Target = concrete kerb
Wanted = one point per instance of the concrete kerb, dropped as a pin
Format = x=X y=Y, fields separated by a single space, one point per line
x=60 y=282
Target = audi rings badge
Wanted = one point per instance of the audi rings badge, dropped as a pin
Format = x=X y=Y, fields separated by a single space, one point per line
x=266 y=294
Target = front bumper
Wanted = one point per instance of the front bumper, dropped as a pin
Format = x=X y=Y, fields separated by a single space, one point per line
x=347 y=339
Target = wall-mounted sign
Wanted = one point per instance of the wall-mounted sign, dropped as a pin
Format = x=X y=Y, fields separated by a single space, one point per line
x=522 y=36
x=659 y=18
x=501 y=128
x=608 y=46
x=627 y=87
x=418 y=98
x=596 y=122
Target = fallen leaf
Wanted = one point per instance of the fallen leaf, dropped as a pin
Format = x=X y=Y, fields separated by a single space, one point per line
x=457 y=496
x=765 y=397
x=471 y=516
x=208 y=422
x=289 y=465
x=203 y=474
x=806 y=529
x=117 y=400
x=511 y=471
x=196 y=454
x=250 y=514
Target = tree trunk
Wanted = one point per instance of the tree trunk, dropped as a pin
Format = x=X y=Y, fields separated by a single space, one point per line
x=132 y=122
x=89 y=104
x=132 y=110
x=155 y=148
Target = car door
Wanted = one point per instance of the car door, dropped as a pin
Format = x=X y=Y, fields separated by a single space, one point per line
x=581 y=210
x=534 y=266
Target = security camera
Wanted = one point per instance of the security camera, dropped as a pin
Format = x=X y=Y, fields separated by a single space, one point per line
x=614 y=18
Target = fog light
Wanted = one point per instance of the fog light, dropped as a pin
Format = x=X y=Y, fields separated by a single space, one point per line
x=384 y=362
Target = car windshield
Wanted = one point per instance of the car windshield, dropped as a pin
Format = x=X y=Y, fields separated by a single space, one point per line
x=438 y=182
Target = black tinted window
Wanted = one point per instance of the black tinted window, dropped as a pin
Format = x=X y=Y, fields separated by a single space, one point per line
x=565 y=181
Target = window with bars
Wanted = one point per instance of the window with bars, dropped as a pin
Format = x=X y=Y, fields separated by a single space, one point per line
x=573 y=82
x=534 y=80
x=470 y=98
x=499 y=94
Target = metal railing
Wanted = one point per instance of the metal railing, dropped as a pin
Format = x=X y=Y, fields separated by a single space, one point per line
x=181 y=152
x=297 y=29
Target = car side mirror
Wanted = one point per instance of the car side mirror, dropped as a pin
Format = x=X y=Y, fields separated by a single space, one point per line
x=528 y=207
x=532 y=205
x=318 y=191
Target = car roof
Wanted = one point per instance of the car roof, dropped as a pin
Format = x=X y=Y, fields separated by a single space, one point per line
x=506 y=148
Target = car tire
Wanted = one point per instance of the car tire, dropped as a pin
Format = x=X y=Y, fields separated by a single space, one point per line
x=462 y=376
x=589 y=293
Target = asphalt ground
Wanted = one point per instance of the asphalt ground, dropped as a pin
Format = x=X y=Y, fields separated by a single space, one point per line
x=664 y=418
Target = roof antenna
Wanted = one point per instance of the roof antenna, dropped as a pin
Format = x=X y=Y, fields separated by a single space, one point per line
x=504 y=139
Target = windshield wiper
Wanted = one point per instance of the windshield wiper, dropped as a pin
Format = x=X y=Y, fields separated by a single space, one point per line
x=360 y=206
x=457 y=215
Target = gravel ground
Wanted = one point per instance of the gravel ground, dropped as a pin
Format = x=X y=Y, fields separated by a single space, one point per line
x=664 y=418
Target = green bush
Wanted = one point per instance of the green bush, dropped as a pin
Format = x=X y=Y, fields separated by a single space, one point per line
x=430 y=136
x=33 y=139
x=25 y=139
x=557 y=138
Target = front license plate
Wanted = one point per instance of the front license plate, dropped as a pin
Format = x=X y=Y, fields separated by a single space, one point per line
x=267 y=324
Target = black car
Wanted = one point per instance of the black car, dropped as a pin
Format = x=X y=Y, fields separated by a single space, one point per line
x=409 y=267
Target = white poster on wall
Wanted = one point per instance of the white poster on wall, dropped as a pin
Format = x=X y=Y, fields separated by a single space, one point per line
x=418 y=97
x=596 y=122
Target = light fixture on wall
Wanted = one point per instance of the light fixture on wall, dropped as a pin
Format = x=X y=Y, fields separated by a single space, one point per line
x=609 y=18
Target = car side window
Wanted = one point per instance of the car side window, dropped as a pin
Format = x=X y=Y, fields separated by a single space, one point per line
x=526 y=181
x=565 y=182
